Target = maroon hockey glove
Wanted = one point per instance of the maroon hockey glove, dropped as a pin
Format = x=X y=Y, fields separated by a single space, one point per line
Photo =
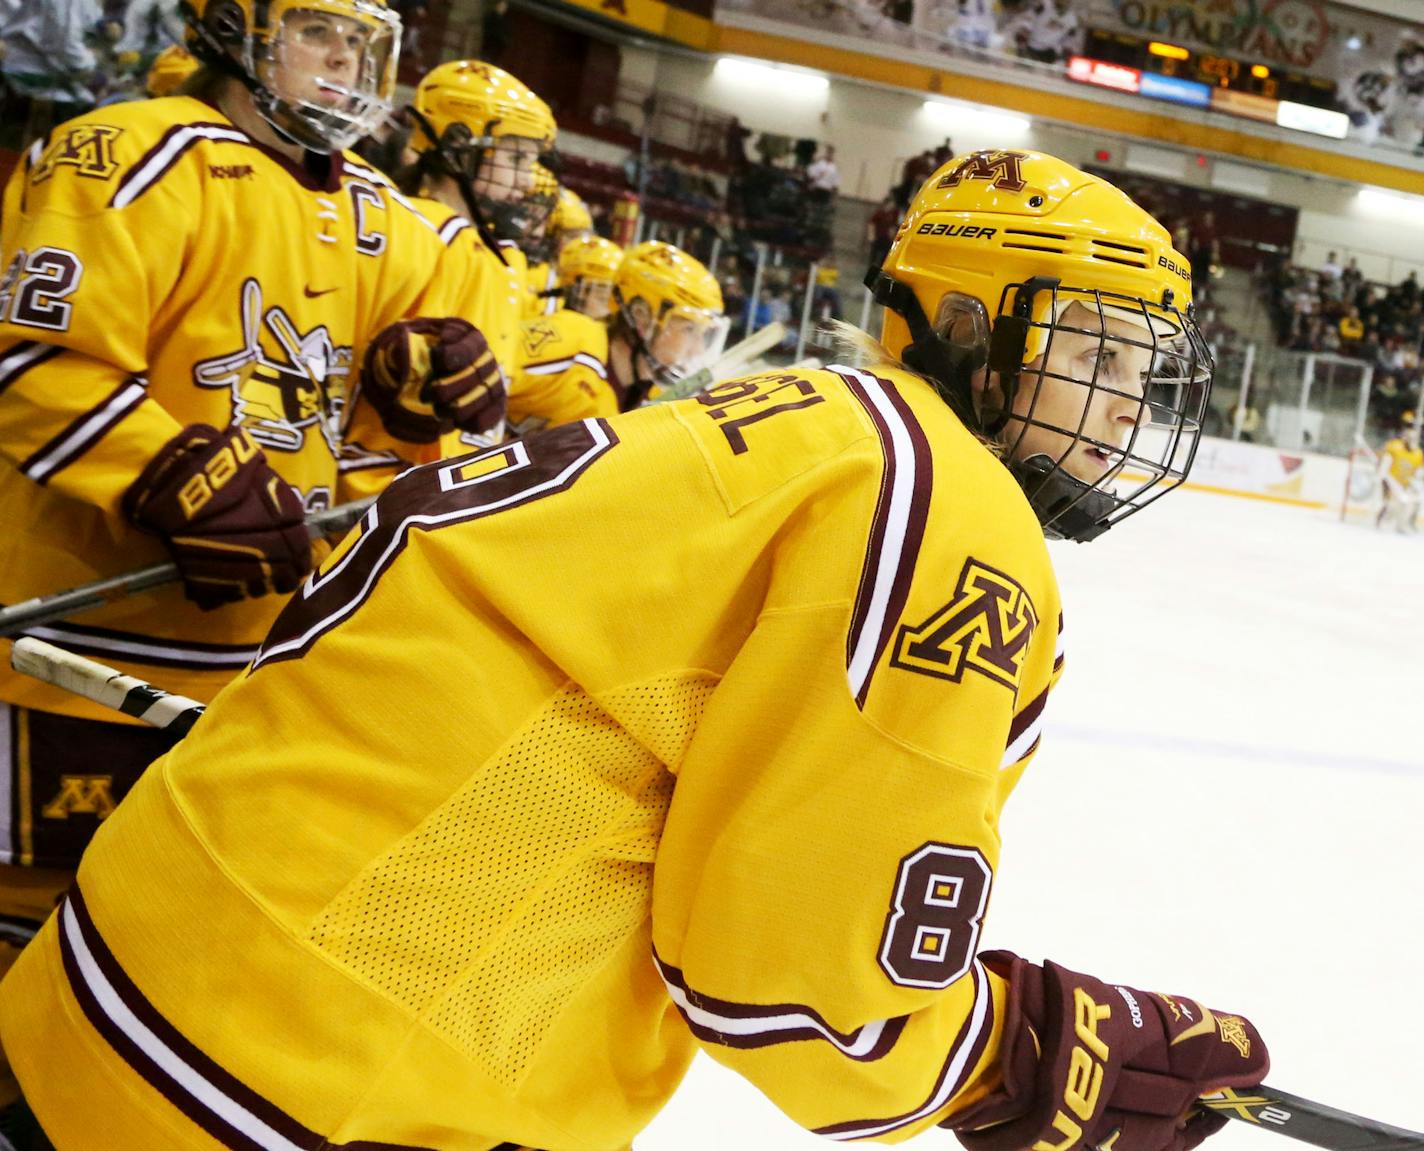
x=1090 y=1065
x=427 y=377
x=234 y=526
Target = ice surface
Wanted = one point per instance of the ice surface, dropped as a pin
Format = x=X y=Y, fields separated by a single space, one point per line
x=1228 y=803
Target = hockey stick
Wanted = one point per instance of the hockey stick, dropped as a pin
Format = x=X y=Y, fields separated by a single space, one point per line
x=1312 y=1122
x=175 y=714
x=42 y=609
x=727 y=363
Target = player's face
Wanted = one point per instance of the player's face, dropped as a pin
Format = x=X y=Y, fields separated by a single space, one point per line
x=681 y=343
x=507 y=174
x=594 y=298
x=319 y=56
x=1108 y=412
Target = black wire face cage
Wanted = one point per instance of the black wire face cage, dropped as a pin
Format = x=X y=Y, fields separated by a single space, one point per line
x=1107 y=419
x=471 y=159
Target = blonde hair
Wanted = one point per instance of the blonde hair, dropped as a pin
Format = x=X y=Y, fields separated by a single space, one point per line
x=859 y=349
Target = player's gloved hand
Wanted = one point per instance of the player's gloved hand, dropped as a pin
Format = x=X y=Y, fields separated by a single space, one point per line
x=427 y=377
x=1089 y=1065
x=233 y=525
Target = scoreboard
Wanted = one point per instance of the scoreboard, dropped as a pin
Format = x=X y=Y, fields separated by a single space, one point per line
x=1222 y=83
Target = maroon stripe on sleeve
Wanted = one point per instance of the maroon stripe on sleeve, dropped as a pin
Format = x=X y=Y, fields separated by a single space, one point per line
x=1025 y=718
x=897 y=526
x=119 y=1032
x=964 y=1055
x=748 y=1026
x=20 y=358
x=83 y=432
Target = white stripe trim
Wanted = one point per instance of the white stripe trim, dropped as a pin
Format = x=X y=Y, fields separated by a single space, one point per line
x=145 y=176
x=199 y=1088
x=371 y=519
x=18 y=359
x=887 y=564
x=1021 y=746
x=983 y=999
x=453 y=227
x=138 y=649
x=554 y=367
x=390 y=189
x=770 y=1024
x=36 y=150
x=98 y=423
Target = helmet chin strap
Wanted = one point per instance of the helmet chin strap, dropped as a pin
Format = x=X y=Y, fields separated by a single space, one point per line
x=464 y=184
x=635 y=393
x=951 y=367
x=1067 y=507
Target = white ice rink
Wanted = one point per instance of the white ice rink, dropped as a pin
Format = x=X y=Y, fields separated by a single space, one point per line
x=1228 y=803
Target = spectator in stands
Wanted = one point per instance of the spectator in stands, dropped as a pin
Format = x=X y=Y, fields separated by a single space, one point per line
x=1331 y=269
x=1048 y=31
x=1204 y=252
x=51 y=73
x=823 y=178
x=880 y=230
x=1352 y=331
x=494 y=31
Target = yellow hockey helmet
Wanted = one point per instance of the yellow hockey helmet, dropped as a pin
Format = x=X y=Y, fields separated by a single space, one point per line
x=169 y=70
x=356 y=41
x=487 y=102
x=670 y=307
x=588 y=270
x=1008 y=263
x=485 y=129
x=571 y=218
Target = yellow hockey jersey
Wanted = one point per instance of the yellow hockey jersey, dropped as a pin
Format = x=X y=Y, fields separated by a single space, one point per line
x=480 y=288
x=1401 y=461
x=162 y=269
x=540 y=783
x=541 y=297
x=563 y=372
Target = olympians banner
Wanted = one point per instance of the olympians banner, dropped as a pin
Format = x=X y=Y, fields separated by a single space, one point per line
x=1369 y=66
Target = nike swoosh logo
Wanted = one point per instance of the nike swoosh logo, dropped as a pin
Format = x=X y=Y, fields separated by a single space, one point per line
x=310 y=295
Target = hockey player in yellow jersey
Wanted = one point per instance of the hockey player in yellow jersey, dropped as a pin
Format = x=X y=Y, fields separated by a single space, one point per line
x=188 y=284
x=1401 y=470
x=588 y=274
x=668 y=323
x=478 y=134
x=493 y=835
x=570 y=220
x=542 y=296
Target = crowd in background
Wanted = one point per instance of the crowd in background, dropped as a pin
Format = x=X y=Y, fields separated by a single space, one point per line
x=1336 y=310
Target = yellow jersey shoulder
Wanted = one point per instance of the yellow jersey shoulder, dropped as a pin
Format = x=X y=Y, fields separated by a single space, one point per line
x=102 y=158
x=562 y=337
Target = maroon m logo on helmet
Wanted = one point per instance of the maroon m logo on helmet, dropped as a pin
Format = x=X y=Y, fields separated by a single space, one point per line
x=985 y=628
x=1001 y=169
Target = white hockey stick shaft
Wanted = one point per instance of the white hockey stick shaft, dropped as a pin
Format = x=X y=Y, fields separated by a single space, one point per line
x=105 y=686
x=727 y=364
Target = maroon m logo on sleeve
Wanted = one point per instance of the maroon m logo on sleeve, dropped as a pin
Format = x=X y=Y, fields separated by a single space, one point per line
x=986 y=628
x=1001 y=169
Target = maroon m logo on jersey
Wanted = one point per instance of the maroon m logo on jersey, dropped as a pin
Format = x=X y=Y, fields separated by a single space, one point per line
x=985 y=628
x=1000 y=168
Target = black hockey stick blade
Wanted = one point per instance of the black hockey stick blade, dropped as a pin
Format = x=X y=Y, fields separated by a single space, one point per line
x=1311 y=1122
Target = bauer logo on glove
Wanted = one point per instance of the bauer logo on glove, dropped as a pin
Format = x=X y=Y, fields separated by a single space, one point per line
x=234 y=527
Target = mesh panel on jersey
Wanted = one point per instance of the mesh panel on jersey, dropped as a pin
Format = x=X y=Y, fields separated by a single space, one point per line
x=489 y=914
